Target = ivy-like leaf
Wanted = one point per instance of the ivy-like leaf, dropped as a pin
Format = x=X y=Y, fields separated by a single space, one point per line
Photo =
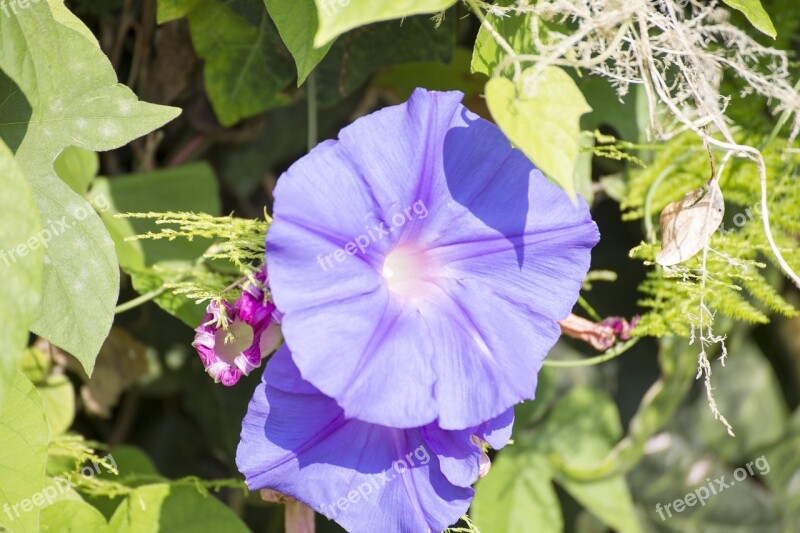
x=169 y=10
x=174 y=508
x=75 y=100
x=21 y=274
x=583 y=427
x=516 y=30
x=247 y=65
x=756 y=14
x=77 y=167
x=517 y=494
x=354 y=57
x=542 y=119
x=23 y=455
x=339 y=16
x=297 y=22
x=73 y=516
x=58 y=396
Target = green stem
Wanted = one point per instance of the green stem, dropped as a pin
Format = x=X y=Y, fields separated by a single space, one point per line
x=311 y=97
x=589 y=309
x=614 y=352
x=143 y=299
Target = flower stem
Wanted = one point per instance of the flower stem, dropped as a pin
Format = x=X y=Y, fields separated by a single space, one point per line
x=589 y=309
x=612 y=353
x=311 y=97
x=139 y=300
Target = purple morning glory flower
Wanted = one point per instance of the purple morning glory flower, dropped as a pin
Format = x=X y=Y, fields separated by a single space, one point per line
x=422 y=265
x=252 y=333
x=297 y=441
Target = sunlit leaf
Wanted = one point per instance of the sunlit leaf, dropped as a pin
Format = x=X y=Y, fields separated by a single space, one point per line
x=58 y=396
x=541 y=115
x=73 y=517
x=755 y=13
x=338 y=16
x=77 y=167
x=517 y=493
x=174 y=508
x=23 y=455
x=74 y=100
x=20 y=264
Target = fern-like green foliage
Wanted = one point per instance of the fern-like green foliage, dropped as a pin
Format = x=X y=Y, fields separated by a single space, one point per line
x=610 y=147
x=734 y=281
x=237 y=249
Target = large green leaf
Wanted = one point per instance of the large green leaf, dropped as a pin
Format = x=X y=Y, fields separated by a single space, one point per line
x=21 y=274
x=75 y=100
x=404 y=78
x=297 y=23
x=515 y=29
x=355 y=57
x=73 y=517
x=23 y=455
x=583 y=426
x=748 y=393
x=187 y=188
x=338 y=16
x=176 y=509
x=246 y=65
x=169 y=10
x=755 y=13
x=518 y=494
x=541 y=115
x=77 y=167
x=673 y=469
x=58 y=396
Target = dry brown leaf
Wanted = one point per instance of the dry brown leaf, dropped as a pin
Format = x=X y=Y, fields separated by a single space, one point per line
x=688 y=224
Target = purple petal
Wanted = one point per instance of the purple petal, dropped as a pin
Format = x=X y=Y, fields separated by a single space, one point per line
x=298 y=442
x=497 y=431
x=447 y=313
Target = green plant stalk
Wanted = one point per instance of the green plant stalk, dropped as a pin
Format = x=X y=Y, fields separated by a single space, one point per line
x=678 y=366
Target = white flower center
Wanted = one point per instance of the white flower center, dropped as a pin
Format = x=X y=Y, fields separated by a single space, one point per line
x=405 y=272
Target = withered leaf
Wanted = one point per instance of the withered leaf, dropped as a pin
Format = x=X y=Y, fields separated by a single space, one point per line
x=688 y=224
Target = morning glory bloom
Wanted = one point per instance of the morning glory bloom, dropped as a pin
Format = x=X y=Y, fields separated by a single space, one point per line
x=296 y=441
x=422 y=265
x=252 y=333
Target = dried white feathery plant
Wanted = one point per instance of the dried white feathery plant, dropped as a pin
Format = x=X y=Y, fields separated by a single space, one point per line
x=678 y=51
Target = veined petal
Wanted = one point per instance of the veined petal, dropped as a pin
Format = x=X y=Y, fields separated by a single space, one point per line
x=422 y=265
x=367 y=477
